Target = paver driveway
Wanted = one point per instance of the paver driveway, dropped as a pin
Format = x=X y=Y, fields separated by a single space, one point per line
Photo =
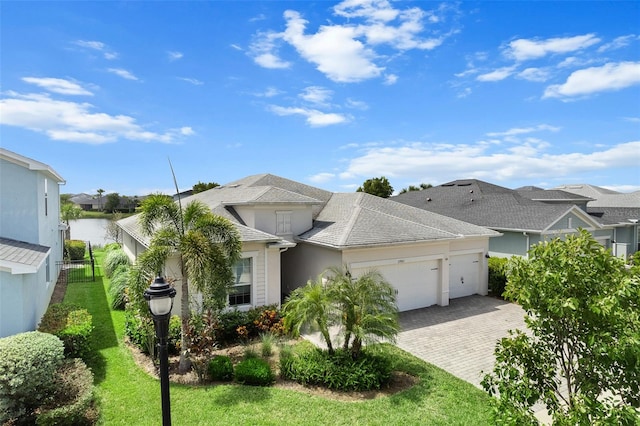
x=460 y=338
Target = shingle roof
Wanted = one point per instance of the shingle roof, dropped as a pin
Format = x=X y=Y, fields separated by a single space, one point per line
x=628 y=200
x=586 y=190
x=485 y=204
x=360 y=219
x=21 y=257
x=615 y=215
x=539 y=194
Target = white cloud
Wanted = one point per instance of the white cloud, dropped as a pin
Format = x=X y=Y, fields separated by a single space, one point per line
x=619 y=43
x=351 y=103
x=263 y=48
x=446 y=162
x=316 y=95
x=193 y=81
x=270 y=92
x=98 y=46
x=58 y=85
x=123 y=73
x=496 y=75
x=390 y=79
x=525 y=49
x=174 y=56
x=314 y=117
x=321 y=177
x=524 y=130
x=464 y=93
x=534 y=74
x=75 y=122
x=611 y=76
x=235 y=46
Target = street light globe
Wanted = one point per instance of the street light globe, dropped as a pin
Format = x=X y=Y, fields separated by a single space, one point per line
x=160 y=296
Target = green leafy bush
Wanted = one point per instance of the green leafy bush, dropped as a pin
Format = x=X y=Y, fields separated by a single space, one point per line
x=266 y=344
x=112 y=260
x=140 y=331
x=228 y=325
x=28 y=365
x=72 y=324
x=286 y=362
x=338 y=371
x=118 y=285
x=175 y=335
x=497 y=275
x=254 y=372
x=74 y=249
x=73 y=403
x=220 y=368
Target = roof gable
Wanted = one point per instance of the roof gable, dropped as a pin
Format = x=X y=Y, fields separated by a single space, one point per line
x=30 y=164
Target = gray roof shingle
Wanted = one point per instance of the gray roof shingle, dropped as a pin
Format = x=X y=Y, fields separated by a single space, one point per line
x=22 y=253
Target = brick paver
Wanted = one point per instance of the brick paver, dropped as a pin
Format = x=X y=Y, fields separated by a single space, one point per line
x=460 y=338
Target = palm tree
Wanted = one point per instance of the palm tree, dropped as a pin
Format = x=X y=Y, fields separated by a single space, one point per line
x=368 y=307
x=100 y=192
x=208 y=247
x=310 y=306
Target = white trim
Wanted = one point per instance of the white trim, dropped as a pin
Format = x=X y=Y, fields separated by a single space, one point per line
x=385 y=262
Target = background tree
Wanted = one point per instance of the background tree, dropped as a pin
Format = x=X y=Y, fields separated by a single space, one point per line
x=69 y=212
x=208 y=247
x=100 y=192
x=201 y=186
x=581 y=355
x=416 y=188
x=379 y=187
x=112 y=203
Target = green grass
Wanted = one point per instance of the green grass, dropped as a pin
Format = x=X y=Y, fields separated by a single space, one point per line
x=129 y=396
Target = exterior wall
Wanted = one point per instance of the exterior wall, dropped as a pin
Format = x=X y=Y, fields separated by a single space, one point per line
x=264 y=219
x=273 y=273
x=510 y=243
x=19 y=212
x=569 y=223
x=305 y=262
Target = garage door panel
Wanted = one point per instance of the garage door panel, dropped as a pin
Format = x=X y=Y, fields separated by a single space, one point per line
x=464 y=275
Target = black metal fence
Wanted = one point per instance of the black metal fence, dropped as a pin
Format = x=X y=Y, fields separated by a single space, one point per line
x=78 y=271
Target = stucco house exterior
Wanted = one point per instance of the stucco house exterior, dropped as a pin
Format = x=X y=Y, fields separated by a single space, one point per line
x=31 y=240
x=292 y=232
x=521 y=221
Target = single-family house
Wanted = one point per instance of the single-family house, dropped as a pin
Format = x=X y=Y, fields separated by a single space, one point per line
x=292 y=232
x=522 y=221
x=617 y=211
x=31 y=240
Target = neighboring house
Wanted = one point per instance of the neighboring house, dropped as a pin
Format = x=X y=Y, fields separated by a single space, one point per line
x=292 y=232
x=522 y=221
x=614 y=210
x=31 y=240
x=87 y=202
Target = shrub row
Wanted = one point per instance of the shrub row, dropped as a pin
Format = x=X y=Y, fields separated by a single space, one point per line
x=338 y=371
x=72 y=324
x=141 y=333
x=252 y=371
x=497 y=275
x=74 y=249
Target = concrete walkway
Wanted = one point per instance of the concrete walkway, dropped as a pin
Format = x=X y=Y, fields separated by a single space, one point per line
x=460 y=338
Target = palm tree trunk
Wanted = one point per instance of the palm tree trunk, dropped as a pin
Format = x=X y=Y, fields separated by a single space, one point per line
x=185 y=313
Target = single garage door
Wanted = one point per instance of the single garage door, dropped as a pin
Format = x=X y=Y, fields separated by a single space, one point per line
x=417 y=283
x=464 y=275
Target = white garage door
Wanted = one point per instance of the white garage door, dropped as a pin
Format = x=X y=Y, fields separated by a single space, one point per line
x=464 y=275
x=417 y=283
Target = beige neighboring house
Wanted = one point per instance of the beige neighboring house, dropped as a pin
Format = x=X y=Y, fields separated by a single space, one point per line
x=292 y=232
x=31 y=240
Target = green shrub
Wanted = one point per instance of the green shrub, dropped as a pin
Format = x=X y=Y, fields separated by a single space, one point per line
x=338 y=371
x=228 y=325
x=286 y=361
x=28 y=365
x=497 y=275
x=220 y=368
x=254 y=372
x=140 y=331
x=175 y=335
x=72 y=324
x=266 y=344
x=74 y=249
x=112 y=246
x=250 y=352
x=112 y=260
x=73 y=403
x=118 y=287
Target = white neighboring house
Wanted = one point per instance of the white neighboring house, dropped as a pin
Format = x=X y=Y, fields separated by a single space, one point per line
x=31 y=240
x=291 y=232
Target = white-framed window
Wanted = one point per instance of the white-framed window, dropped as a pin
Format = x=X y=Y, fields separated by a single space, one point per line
x=242 y=291
x=283 y=222
x=570 y=225
x=46 y=197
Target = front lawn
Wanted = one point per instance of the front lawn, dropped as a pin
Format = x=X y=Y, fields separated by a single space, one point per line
x=127 y=395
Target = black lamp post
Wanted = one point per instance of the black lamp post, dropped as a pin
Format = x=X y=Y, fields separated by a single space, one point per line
x=160 y=296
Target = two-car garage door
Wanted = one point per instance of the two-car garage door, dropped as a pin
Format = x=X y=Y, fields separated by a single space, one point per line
x=417 y=283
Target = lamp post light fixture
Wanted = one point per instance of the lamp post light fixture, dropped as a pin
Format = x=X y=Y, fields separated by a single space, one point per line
x=160 y=296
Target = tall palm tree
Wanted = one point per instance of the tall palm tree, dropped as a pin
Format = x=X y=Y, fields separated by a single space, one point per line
x=368 y=307
x=208 y=246
x=310 y=306
x=100 y=192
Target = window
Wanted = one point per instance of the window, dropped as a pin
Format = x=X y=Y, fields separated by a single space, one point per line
x=240 y=293
x=46 y=200
x=570 y=225
x=283 y=223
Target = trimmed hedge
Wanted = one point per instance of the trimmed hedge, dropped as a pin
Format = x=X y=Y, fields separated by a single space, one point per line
x=220 y=368
x=28 y=365
x=72 y=324
x=497 y=275
x=74 y=249
x=74 y=402
x=254 y=372
x=338 y=371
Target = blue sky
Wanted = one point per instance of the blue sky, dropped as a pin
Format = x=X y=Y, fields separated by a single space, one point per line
x=325 y=93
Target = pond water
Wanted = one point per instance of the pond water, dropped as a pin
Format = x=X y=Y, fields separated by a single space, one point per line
x=93 y=230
